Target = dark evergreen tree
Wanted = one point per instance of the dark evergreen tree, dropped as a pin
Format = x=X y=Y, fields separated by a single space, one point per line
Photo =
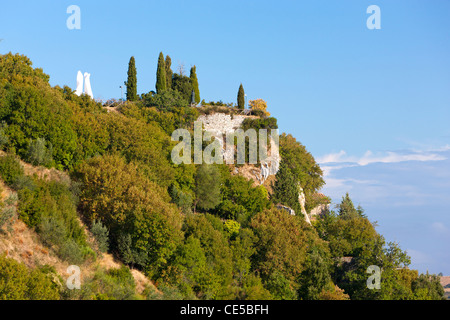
x=316 y=276
x=347 y=209
x=194 y=82
x=207 y=187
x=169 y=72
x=131 y=82
x=241 y=97
x=193 y=97
x=285 y=189
x=161 y=82
x=183 y=85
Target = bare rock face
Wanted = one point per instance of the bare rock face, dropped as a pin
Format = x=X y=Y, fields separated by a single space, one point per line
x=320 y=210
x=220 y=124
x=302 y=201
x=286 y=208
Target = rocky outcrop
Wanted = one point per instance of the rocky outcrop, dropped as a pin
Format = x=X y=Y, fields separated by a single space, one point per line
x=286 y=208
x=220 y=124
x=320 y=210
x=302 y=201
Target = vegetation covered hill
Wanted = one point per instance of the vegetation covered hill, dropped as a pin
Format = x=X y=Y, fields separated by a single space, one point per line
x=196 y=231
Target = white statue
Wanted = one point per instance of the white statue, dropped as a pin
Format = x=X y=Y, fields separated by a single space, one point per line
x=79 y=90
x=87 y=85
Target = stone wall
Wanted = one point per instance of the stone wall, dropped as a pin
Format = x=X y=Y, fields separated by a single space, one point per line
x=220 y=124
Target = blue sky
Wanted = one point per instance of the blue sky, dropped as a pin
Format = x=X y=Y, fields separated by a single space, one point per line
x=341 y=89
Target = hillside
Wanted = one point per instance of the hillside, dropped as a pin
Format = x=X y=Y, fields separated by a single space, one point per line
x=24 y=245
x=445 y=282
x=96 y=186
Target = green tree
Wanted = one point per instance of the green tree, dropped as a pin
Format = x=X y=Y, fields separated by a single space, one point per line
x=347 y=210
x=218 y=267
x=316 y=276
x=33 y=109
x=241 y=97
x=207 y=187
x=240 y=200
x=131 y=82
x=281 y=251
x=100 y=233
x=429 y=285
x=303 y=166
x=194 y=82
x=285 y=189
x=183 y=85
x=161 y=81
x=169 y=72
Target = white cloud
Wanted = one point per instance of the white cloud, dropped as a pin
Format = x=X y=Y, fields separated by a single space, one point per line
x=387 y=157
x=419 y=257
x=440 y=229
x=393 y=157
x=424 y=168
x=333 y=157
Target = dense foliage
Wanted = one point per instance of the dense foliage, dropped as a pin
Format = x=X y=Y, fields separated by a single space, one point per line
x=17 y=282
x=197 y=231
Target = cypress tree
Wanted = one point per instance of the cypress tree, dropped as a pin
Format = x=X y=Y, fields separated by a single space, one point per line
x=241 y=97
x=169 y=72
x=194 y=82
x=161 y=83
x=131 y=82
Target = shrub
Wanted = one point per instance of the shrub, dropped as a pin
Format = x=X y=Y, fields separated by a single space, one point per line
x=260 y=123
x=39 y=152
x=22 y=182
x=3 y=136
x=7 y=210
x=52 y=231
x=6 y=214
x=10 y=169
x=72 y=252
x=232 y=227
x=114 y=284
x=100 y=233
x=182 y=199
x=17 y=282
